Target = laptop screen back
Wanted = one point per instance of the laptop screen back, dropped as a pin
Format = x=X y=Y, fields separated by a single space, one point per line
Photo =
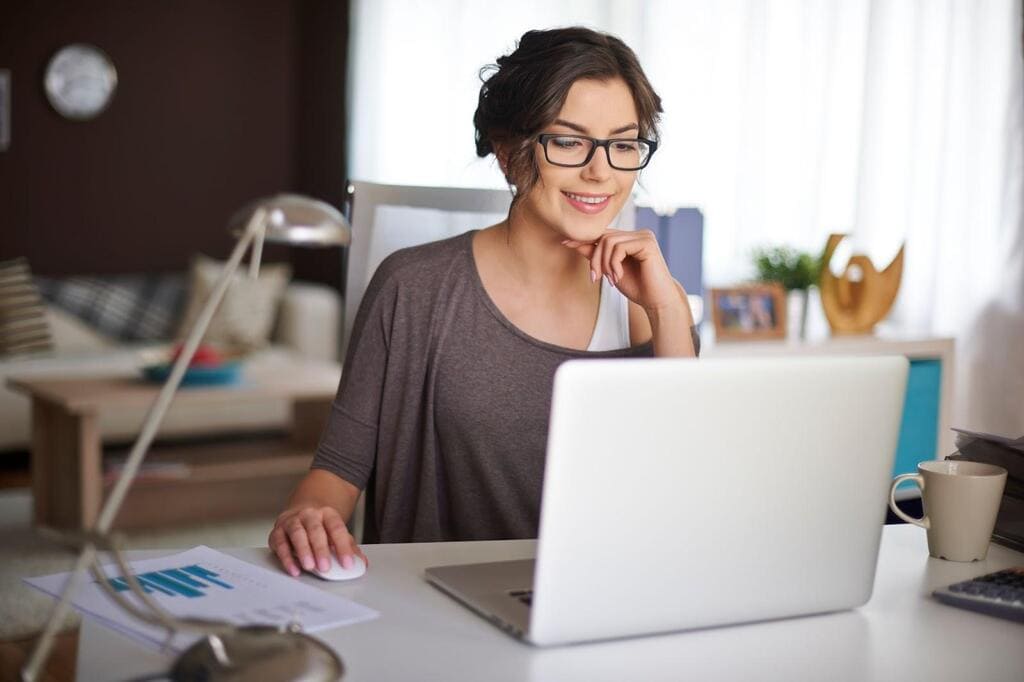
x=683 y=493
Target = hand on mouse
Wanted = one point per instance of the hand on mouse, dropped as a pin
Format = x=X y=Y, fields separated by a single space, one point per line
x=308 y=534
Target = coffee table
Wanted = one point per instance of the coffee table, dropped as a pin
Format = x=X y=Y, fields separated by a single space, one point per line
x=183 y=481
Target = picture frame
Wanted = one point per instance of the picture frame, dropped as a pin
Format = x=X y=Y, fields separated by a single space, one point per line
x=749 y=312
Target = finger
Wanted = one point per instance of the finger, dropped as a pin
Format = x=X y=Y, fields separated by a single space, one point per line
x=344 y=543
x=619 y=253
x=345 y=557
x=605 y=243
x=608 y=243
x=597 y=269
x=282 y=548
x=300 y=544
x=632 y=246
x=318 y=541
x=585 y=249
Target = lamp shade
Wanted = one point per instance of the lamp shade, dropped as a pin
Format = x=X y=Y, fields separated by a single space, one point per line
x=297 y=220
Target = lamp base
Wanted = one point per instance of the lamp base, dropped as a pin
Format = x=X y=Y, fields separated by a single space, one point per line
x=259 y=652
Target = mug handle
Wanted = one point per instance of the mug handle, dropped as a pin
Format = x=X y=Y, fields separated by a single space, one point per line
x=923 y=522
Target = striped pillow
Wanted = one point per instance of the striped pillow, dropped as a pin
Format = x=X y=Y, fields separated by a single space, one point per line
x=130 y=308
x=23 y=325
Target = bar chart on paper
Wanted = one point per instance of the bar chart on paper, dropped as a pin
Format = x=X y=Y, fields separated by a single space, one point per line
x=205 y=583
x=187 y=581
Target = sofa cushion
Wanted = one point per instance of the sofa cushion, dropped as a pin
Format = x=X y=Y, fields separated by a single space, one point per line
x=130 y=308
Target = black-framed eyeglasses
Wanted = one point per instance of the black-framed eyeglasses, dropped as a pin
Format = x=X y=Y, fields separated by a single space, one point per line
x=573 y=151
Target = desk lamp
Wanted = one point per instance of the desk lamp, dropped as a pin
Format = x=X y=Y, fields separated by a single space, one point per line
x=227 y=651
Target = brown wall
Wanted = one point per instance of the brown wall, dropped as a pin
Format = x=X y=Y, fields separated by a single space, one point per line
x=218 y=103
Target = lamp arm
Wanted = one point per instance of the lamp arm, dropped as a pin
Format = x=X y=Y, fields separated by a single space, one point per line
x=154 y=417
x=163 y=400
x=158 y=617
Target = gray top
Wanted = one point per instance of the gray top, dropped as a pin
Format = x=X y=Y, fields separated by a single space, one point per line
x=443 y=406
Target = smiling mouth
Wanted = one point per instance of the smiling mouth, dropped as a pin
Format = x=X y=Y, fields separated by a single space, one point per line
x=588 y=203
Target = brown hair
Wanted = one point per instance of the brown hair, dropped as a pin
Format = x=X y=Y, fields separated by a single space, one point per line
x=525 y=90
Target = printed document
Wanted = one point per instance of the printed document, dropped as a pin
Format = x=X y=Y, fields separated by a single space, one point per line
x=204 y=583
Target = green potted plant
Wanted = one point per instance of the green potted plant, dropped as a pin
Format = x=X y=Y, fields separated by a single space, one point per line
x=795 y=270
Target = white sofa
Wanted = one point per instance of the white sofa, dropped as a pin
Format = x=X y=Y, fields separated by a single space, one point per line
x=308 y=325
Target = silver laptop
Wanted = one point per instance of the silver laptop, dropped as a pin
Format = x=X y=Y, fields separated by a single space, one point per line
x=685 y=494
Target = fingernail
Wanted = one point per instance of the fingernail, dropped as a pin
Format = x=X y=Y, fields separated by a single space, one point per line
x=294 y=572
x=346 y=561
x=307 y=563
x=593 y=276
x=324 y=565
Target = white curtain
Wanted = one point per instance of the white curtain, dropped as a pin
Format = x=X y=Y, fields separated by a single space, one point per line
x=784 y=121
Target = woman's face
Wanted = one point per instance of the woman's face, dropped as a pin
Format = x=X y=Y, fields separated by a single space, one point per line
x=580 y=203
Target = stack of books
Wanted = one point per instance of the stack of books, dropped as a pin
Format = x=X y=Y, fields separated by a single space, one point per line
x=1008 y=453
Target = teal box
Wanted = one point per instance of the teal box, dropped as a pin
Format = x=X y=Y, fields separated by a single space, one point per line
x=919 y=431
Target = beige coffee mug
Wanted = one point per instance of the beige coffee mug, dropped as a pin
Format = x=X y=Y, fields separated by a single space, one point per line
x=961 y=501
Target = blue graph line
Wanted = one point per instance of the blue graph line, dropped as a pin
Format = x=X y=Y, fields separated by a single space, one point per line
x=173 y=585
x=150 y=583
x=183 y=577
x=186 y=581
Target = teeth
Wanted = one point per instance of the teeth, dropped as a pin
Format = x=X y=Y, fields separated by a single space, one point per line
x=587 y=200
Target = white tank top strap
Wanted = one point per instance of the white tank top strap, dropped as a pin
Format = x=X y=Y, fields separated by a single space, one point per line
x=612 y=329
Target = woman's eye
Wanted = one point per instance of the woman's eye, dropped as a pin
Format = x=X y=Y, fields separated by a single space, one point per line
x=566 y=142
x=625 y=146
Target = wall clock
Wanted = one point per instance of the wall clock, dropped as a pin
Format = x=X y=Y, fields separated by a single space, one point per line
x=80 y=81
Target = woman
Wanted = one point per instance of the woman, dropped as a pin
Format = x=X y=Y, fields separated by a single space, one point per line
x=442 y=411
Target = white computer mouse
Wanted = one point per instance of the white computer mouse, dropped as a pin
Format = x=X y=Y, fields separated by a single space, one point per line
x=339 y=572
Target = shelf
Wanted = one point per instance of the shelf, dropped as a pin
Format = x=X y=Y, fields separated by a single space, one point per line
x=199 y=482
x=225 y=461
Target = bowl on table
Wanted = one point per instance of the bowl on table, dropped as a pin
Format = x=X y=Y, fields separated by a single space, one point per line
x=209 y=367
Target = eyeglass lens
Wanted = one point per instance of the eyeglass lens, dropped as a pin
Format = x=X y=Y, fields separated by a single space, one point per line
x=571 y=150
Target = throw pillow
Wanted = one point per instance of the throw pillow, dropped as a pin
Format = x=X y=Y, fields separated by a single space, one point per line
x=246 y=316
x=23 y=326
x=138 y=307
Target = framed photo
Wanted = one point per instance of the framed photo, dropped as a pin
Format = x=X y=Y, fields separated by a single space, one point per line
x=749 y=312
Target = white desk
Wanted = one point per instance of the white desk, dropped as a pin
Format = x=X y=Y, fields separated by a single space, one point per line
x=901 y=634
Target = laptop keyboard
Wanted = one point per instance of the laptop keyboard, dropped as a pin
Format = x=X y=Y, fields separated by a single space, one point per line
x=525 y=596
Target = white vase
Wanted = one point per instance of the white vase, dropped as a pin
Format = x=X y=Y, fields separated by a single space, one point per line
x=797 y=308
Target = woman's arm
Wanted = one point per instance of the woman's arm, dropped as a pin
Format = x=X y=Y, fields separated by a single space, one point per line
x=314 y=521
x=669 y=327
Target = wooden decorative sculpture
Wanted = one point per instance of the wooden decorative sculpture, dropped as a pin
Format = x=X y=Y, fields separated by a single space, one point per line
x=855 y=305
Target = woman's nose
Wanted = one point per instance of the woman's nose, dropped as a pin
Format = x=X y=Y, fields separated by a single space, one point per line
x=598 y=168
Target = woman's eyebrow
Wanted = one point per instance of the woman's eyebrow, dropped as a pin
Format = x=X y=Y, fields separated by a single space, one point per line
x=582 y=129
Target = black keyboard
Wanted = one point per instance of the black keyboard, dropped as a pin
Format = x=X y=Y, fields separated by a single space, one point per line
x=525 y=596
x=998 y=594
